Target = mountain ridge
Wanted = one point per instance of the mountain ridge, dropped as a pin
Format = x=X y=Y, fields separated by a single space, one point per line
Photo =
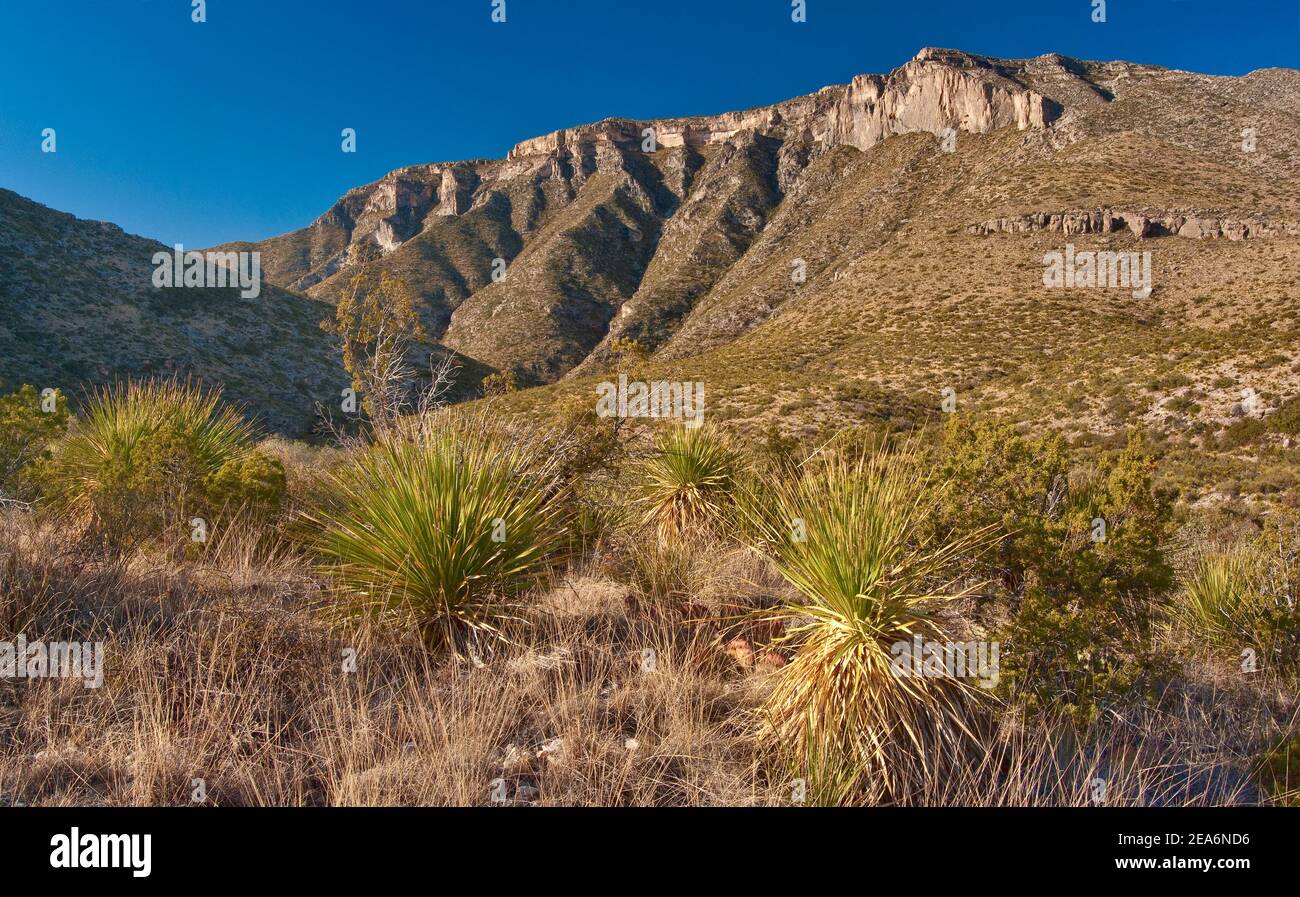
x=637 y=260
x=689 y=249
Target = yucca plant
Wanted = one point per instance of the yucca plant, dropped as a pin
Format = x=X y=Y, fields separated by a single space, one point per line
x=688 y=484
x=1220 y=604
x=144 y=452
x=441 y=528
x=848 y=536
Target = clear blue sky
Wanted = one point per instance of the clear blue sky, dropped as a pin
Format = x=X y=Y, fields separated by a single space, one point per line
x=202 y=133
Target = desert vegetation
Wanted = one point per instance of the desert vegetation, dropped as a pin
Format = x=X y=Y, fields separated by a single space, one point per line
x=466 y=606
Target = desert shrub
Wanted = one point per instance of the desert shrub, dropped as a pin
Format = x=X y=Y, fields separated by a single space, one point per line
x=500 y=383
x=588 y=447
x=441 y=529
x=587 y=452
x=253 y=482
x=688 y=484
x=27 y=431
x=1275 y=620
x=1080 y=573
x=1242 y=432
x=850 y=537
x=778 y=453
x=1286 y=419
x=152 y=454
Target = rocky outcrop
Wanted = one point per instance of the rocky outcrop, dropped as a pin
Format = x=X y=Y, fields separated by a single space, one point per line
x=1196 y=224
x=937 y=90
x=456 y=191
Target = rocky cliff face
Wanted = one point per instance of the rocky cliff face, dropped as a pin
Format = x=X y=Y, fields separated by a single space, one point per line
x=681 y=232
x=938 y=90
x=706 y=188
x=1196 y=224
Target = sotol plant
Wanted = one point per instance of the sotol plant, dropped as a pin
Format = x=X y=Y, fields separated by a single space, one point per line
x=1217 y=606
x=688 y=484
x=440 y=528
x=849 y=537
x=148 y=454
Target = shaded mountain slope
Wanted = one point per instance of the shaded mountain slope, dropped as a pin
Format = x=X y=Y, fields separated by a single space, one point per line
x=80 y=309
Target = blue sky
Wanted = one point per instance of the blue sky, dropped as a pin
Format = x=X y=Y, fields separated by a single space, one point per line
x=202 y=133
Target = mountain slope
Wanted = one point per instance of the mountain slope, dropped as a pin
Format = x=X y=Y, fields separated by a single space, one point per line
x=921 y=250
x=618 y=228
x=80 y=309
x=683 y=233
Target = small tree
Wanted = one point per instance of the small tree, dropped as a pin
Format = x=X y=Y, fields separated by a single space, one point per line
x=1080 y=571
x=27 y=429
x=378 y=326
x=500 y=383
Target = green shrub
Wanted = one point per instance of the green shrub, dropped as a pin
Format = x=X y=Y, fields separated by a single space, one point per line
x=27 y=431
x=1276 y=630
x=1079 y=574
x=778 y=453
x=1286 y=419
x=500 y=383
x=154 y=454
x=254 y=482
x=1240 y=433
x=440 y=529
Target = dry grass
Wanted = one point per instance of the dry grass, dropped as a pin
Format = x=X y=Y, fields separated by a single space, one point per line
x=219 y=669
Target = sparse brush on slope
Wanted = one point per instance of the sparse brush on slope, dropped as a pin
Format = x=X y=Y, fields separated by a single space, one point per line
x=848 y=537
x=689 y=483
x=440 y=527
x=147 y=454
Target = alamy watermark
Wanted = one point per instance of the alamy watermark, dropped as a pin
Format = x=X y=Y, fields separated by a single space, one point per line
x=661 y=398
x=88 y=851
x=21 y=659
x=1103 y=270
x=949 y=660
x=209 y=269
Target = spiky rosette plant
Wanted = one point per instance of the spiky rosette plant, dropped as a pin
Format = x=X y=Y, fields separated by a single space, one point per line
x=144 y=452
x=688 y=484
x=441 y=528
x=848 y=536
x=1220 y=605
